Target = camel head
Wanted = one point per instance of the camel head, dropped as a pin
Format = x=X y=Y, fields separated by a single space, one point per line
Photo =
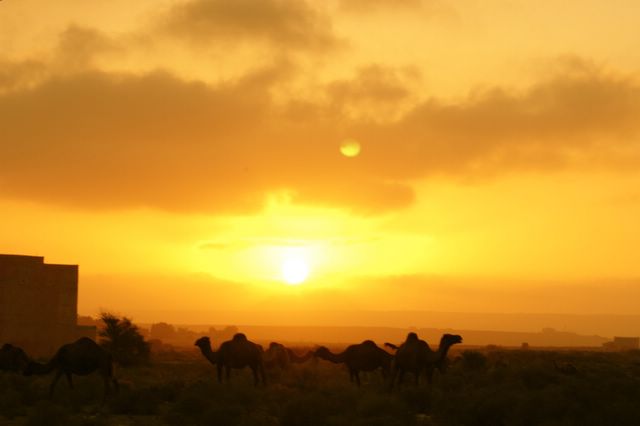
x=13 y=358
x=274 y=346
x=450 y=340
x=203 y=342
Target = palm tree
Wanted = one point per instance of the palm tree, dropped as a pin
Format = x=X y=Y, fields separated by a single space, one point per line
x=123 y=340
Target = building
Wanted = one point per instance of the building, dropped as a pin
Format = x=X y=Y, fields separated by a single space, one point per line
x=38 y=304
x=623 y=343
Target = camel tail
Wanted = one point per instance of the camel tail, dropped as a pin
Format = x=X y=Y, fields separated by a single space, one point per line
x=391 y=345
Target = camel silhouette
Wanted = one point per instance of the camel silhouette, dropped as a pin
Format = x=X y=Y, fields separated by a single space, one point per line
x=365 y=356
x=239 y=353
x=13 y=358
x=82 y=357
x=277 y=355
x=205 y=347
x=414 y=355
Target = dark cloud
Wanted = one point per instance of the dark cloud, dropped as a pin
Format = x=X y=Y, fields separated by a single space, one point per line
x=106 y=141
x=375 y=91
x=290 y=24
x=79 y=46
x=102 y=140
x=20 y=75
x=556 y=123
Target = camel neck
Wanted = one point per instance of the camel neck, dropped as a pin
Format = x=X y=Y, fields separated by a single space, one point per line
x=208 y=353
x=443 y=349
x=335 y=358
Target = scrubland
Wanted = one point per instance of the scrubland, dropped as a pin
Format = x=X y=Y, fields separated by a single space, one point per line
x=481 y=387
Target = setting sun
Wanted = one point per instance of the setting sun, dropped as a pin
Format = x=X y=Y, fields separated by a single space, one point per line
x=295 y=269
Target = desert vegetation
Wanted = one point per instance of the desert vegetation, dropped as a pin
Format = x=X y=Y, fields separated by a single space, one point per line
x=480 y=387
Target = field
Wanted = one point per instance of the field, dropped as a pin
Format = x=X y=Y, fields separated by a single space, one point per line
x=481 y=387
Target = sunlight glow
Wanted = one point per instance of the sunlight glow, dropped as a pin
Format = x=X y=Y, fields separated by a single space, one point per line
x=350 y=148
x=295 y=268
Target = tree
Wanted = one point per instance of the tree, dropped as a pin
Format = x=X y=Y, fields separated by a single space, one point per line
x=123 y=340
x=162 y=331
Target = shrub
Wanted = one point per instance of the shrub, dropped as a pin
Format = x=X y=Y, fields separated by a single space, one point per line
x=123 y=340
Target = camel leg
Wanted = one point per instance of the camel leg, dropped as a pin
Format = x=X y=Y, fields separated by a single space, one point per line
x=105 y=379
x=227 y=371
x=264 y=376
x=219 y=368
x=385 y=373
x=394 y=374
x=69 y=380
x=400 y=377
x=430 y=375
x=254 y=370
x=356 y=373
x=59 y=373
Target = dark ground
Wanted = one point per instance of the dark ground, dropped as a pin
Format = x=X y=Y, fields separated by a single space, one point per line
x=487 y=387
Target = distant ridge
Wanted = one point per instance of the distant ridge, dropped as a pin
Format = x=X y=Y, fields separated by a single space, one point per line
x=607 y=325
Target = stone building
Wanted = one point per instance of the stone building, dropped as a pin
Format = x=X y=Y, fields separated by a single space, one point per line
x=38 y=304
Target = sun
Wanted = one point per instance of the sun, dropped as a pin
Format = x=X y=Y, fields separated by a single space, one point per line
x=295 y=269
x=350 y=148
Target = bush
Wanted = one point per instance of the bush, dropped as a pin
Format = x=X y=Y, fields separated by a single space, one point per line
x=123 y=340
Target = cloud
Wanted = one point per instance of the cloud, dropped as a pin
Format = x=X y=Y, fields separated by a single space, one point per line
x=100 y=140
x=78 y=47
x=15 y=75
x=563 y=121
x=290 y=24
x=375 y=91
x=359 y=6
x=118 y=141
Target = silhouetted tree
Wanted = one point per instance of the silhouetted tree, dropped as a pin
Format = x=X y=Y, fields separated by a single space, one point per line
x=123 y=340
x=162 y=331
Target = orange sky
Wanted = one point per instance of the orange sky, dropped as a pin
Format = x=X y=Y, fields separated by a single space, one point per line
x=182 y=151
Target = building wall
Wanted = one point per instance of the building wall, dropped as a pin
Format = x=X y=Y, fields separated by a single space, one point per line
x=38 y=303
x=627 y=342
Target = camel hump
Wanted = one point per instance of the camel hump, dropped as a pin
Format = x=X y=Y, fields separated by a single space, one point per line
x=412 y=337
x=239 y=337
x=85 y=341
x=369 y=343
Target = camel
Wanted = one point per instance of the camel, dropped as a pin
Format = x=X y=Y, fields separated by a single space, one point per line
x=82 y=357
x=239 y=353
x=277 y=355
x=414 y=355
x=205 y=347
x=365 y=356
x=12 y=358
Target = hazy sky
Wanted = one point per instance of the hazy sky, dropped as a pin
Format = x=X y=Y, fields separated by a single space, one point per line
x=182 y=152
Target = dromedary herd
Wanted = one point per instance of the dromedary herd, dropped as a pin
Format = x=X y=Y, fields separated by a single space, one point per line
x=85 y=356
